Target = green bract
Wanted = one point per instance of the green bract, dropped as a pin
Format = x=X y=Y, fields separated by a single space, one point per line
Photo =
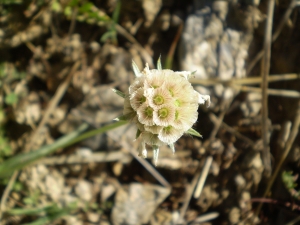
x=163 y=104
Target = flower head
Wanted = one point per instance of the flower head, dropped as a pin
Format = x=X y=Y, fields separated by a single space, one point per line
x=163 y=104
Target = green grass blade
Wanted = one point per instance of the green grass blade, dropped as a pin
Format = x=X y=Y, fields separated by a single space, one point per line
x=20 y=161
x=98 y=131
x=29 y=211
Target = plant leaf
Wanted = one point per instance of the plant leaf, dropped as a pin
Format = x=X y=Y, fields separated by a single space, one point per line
x=120 y=93
x=159 y=63
x=194 y=132
x=136 y=70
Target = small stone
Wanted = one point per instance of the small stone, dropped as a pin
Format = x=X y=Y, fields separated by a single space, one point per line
x=93 y=217
x=83 y=190
x=234 y=215
x=107 y=191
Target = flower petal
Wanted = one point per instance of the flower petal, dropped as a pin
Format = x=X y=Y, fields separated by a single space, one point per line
x=203 y=99
x=151 y=139
x=128 y=111
x=170 y=134
x=137 y=83
x=172 y=147
x=185 y=117
x=186 y=74
x=137 y=98
x=142 y=150
x=155 y=154
x=153 y=129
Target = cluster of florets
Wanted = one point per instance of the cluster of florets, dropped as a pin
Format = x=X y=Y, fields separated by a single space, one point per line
x=163 y=104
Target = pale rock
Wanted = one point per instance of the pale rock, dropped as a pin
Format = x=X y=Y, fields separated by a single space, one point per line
x=83 y=190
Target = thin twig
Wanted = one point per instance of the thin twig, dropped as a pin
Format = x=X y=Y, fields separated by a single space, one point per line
x=89 y=158
x=275 y=201
x=146 y=164
x=217 y=124
x=294 y=221
x=205 y=218
x=288 y=146
x=278 y=30
x=151 y=170
x=174 y=44
x=232 y=130
x=130 y=38
x=276 y=92
x=189 y=193
x=43 y=58
x=73 y=22
x=53 y=103
x=265 y=68
x=245 y=80
x=203 y=177
x=6 y=193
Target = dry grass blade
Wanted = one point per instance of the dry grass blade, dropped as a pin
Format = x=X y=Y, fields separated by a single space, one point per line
x=174 y=44
x=265 y=69
x=6 y=193
x=282 y=93
x=151 y=170
x=129 y=37
x=189 y=193
x=93 y=157
x=213 y=117
x=283 y=21
x=203 y=177
x=292 y=137
x=294 y=221
x=205 y=218
x=61 y=90
x=246 y=80
x=147 y=166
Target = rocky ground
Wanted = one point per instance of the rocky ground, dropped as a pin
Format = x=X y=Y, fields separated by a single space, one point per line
x=59 y=60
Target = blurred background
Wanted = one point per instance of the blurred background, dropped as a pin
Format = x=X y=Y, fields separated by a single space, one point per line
x=64 y=161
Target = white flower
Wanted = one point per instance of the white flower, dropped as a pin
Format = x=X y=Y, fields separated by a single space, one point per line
x=170 y=134
x=163 y=105
x=137 y=98
x=145 y=115
x=158 y=97
x=164 y=115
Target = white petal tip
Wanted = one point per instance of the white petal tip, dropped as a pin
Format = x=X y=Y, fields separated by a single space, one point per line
x=155 y=154
x=136 y=70
x=144 y=153
x=172 y=147
x=204 y=99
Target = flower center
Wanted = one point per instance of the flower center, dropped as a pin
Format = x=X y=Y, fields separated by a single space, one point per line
x=177 y=102
x=176 y=115
x=163 y=113
x=143 y=99
x=171 y=92
x=158 y=100
x=149 y=111
x=167 y=129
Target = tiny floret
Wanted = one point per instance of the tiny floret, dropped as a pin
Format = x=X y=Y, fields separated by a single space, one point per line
x=163 y=104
